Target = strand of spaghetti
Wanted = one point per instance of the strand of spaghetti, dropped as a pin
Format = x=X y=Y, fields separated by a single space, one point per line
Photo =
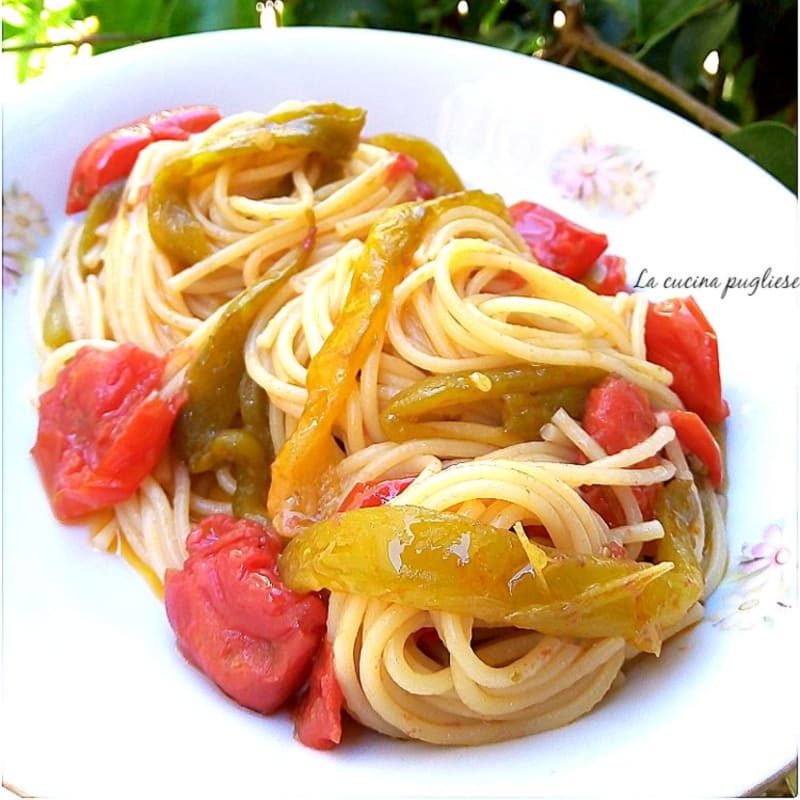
x=420 y=719
x=536 y=666
x=571 y=524
x=714 y=560
x=503 y=704
x=573 y=432
x=465 y=254
x=414 y=675
x=345 y=617
x=501 y=307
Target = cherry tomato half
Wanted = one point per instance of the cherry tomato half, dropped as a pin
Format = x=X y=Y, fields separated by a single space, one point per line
x=617 y=416
x=680 y=338
x=111 y=156
x=318 y=718
x=374 y=493
x=235 y=620
x=694 y=436
x=102 y=428
x=607 y=276
x=556 y=242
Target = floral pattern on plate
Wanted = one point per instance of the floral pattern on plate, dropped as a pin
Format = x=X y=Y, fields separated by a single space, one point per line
x=761 y=586
x=599 y=174
x=25 y=225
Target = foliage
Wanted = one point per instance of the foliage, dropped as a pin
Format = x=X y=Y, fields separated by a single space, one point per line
x=753 y=91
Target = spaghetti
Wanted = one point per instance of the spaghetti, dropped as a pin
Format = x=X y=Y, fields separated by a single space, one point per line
x=362 y=333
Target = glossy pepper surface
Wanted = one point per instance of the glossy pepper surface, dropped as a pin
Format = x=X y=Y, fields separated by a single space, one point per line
x=441 y=561
x=529 y=392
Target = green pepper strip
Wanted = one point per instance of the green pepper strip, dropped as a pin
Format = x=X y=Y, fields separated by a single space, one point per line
x=432 y=166
x=55 y=325
x=328 y=129
x=446 y=562
x=524 y=414
x=103 y=207
x=680 y=513
x=218 y=389
x=536 y=389
x=301 y=472
x=246 y=453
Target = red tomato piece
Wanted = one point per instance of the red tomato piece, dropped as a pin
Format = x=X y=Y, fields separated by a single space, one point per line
x=680 y=338
x=102 y=428
x=111 y=156
x=617 y=416
x=374 y=493
x=607 y=276
x=235 y=620
x=556 y=242
x=318 y=718
x=694 y=436
x=402 y=164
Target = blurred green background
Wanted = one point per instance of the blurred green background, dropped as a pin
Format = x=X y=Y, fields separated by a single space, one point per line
x=729 y=65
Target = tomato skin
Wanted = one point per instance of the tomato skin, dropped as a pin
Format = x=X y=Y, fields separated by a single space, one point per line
x=374 y=493
x=617 y=416
x=111 y=156
x=318 y=718
x=613 y=278
x=556 y=242
x=679 y=337
x=102 y=428
x=694 y=436
x=235 y=620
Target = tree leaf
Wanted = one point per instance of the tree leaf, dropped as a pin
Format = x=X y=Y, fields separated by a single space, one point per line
x=135 y=19
x=659 y=18
x=696 y=40
x=195 y=16
x=773 y=146
x=504 y=34
x=386 y=14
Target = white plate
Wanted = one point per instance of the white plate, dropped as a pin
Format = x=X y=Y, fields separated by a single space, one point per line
x=96 y=699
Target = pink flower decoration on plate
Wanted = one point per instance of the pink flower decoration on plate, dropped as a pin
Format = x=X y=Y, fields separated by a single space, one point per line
x=24 y=226
x=761 y=585
x=602 y=174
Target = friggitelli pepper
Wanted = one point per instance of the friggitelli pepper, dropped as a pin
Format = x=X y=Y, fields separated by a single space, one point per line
x=301 y=472
x=530 y=393
x=220 y=392
x=433 y=168
x=447 y=562
x=329 y=129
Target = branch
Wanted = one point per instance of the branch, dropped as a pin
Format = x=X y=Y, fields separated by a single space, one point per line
x=97 y=38
x=575 y=34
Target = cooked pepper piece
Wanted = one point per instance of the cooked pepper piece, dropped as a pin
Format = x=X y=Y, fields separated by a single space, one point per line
x=525 y=414
x=433 y=168
x=102 y=208
x=218 y=389
x=301 y=471
x=328 y=129
x=55 y=325
x=531 y=394
x=447 y=562
x=679 y=511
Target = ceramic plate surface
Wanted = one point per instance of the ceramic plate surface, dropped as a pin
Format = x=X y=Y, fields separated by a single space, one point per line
x=96 y=699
